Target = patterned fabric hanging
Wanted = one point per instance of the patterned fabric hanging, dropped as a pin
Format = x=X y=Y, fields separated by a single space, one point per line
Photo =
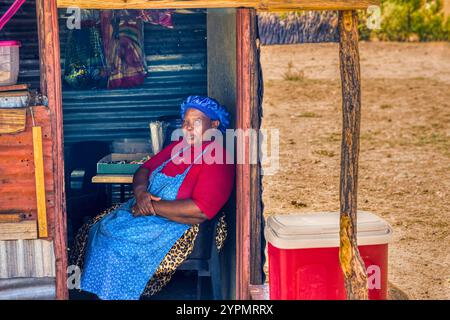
x=124 y=50
x=123 y=39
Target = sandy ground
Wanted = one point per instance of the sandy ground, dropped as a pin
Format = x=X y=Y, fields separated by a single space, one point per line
x=404 y=167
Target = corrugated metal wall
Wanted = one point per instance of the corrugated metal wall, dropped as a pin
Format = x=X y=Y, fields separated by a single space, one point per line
x=177 y=65
x=27 y=267
x=27 y=258
x=27 y=289
x=23 y=27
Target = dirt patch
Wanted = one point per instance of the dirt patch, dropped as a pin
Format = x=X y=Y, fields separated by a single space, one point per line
x=404 y=164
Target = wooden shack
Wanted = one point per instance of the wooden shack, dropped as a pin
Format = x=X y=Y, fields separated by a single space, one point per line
x=213 y=49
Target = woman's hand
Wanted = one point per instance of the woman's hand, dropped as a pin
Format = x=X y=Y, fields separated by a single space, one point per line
x=144 y=204
x=143 y=198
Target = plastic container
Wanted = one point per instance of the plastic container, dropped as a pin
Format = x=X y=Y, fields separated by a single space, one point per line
x=303 y=252
x=171 y=123
x=132 y=145
x=110 y=164
x=9 y=62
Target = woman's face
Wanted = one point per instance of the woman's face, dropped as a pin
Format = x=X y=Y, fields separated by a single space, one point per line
x=195 y=123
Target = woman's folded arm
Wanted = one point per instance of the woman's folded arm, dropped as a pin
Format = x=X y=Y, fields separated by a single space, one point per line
x=182 y=211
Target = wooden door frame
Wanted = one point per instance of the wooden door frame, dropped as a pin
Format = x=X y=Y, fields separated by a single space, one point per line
x=248 y=193
x=50 y=83
x=51 y=86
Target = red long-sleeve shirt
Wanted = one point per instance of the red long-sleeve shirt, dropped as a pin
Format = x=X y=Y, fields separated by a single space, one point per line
x=209 y=185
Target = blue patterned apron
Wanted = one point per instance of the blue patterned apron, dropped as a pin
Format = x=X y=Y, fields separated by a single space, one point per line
x=123 y=251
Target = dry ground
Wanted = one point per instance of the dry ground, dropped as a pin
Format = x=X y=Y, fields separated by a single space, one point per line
x=404 y=167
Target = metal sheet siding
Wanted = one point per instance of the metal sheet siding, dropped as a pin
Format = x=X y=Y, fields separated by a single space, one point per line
x=26 y=258
x=177 y=67
x=23 y=27
x=27 y=289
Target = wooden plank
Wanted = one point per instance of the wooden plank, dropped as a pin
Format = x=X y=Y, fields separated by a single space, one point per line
x=355 y=276
x=12 y=217
x=318 y=5
x=17 y=179
x=14 y=87
x=20 y=93
x=112 y=178
x=263 y=5
x=244 y=23
x=40 y=184
x=18 y=230
x=256 y=217
x=12 y=120
x=49 y=49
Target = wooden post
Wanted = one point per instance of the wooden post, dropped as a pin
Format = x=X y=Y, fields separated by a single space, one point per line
x=48 y=32
x=355 y=275
x=257 y=244
x=245 y=77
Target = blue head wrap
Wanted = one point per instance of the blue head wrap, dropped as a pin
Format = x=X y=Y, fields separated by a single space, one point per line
x=210 y=107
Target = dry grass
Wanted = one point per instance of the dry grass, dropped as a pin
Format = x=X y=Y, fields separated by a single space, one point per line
x=404 y=163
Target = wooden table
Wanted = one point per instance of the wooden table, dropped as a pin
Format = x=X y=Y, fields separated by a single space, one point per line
x=113 y=178
x=110 y=179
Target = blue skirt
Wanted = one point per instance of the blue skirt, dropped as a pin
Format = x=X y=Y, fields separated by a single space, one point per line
x=123 y=252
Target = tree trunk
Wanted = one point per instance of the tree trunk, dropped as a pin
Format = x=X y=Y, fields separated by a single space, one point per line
x=355 y=275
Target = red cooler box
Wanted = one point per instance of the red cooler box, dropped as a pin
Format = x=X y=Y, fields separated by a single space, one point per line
x=303 y=253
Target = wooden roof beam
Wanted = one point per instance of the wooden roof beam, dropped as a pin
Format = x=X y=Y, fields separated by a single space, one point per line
x=262 y=5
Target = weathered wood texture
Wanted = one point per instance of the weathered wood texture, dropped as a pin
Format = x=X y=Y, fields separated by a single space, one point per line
x=49 y=50
x=113 y=178
x=39 y=181
x=14 y=87
x=272 y=5
x=355 y=276
x=257 y=242
x=17 y=179
x=24 y=230
x=12 y=120
x=244 y=62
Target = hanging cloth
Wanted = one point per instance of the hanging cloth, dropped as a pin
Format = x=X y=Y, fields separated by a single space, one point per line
x=124 y=49
x=157 y=17
x=123 y=41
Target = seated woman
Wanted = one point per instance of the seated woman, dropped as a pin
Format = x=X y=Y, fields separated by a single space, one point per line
x=174 y=190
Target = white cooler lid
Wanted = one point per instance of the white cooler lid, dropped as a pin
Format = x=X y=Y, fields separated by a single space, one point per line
x=321 y=230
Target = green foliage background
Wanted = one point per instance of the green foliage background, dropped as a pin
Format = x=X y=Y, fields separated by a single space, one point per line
x=408 y=20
